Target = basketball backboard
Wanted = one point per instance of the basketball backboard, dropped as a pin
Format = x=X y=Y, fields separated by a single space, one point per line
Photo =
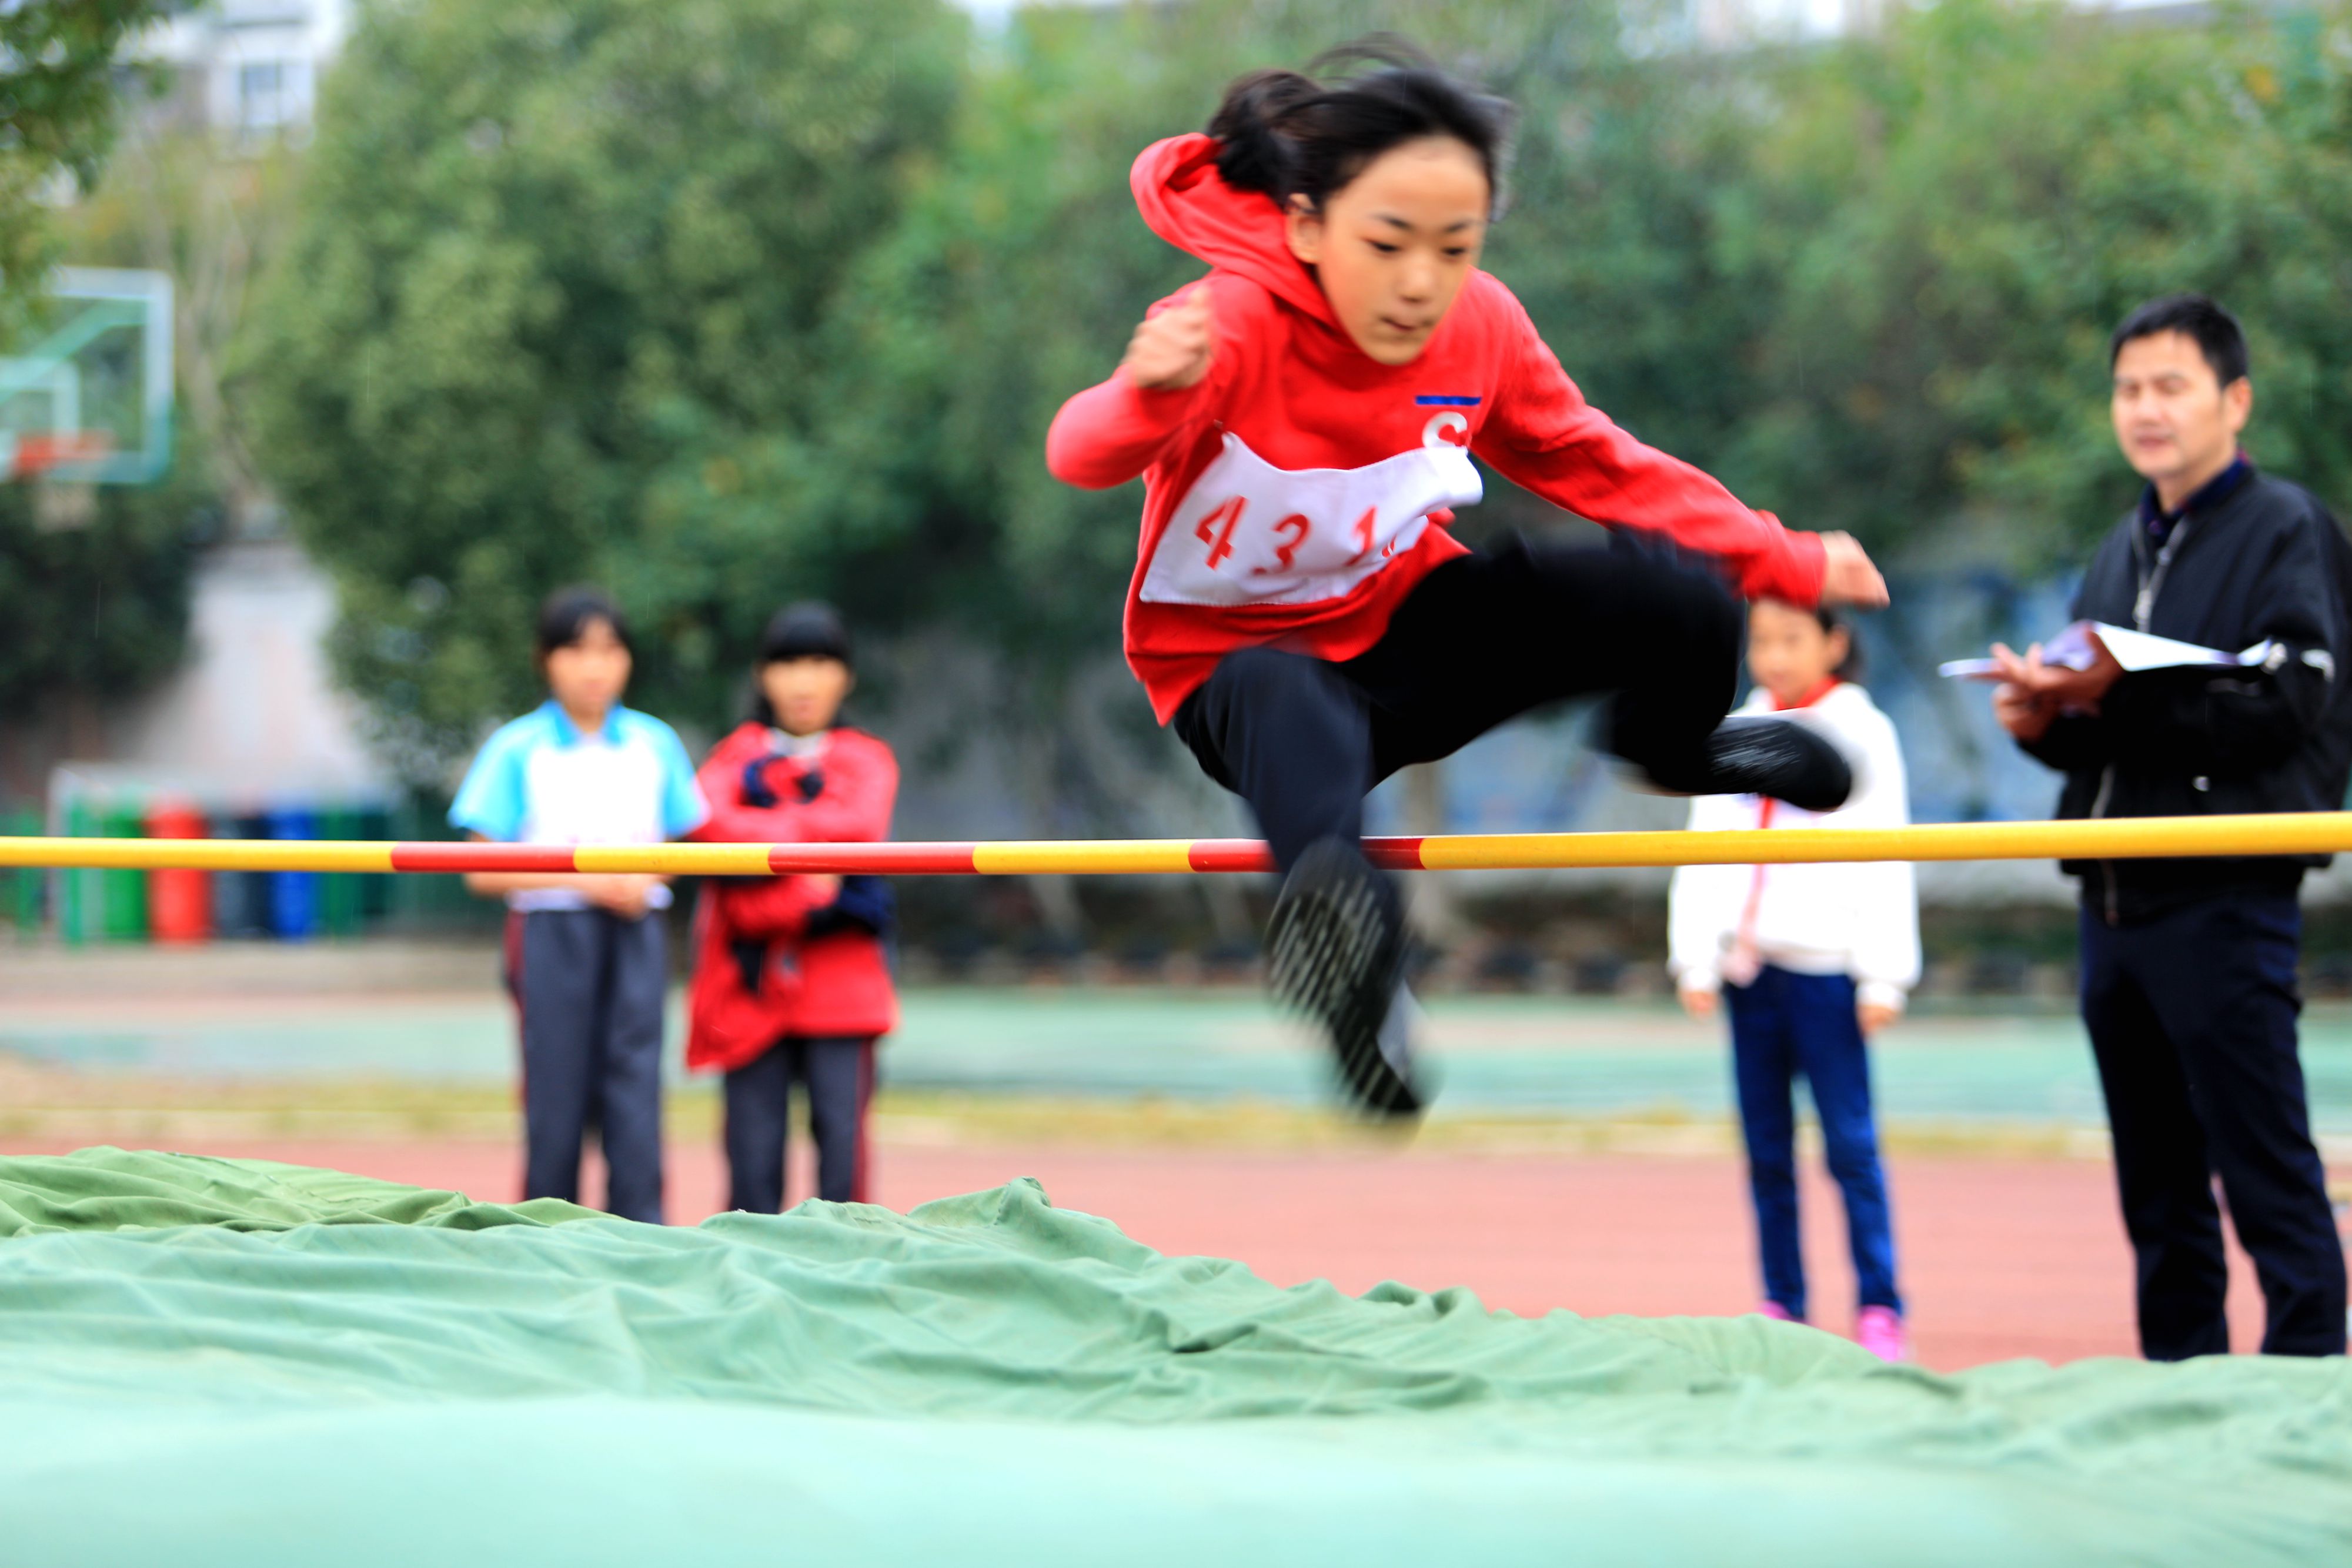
x=88 y=400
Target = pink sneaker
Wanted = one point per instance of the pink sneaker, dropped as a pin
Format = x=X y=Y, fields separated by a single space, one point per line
x=1879 y=1330
x=1775 y=1312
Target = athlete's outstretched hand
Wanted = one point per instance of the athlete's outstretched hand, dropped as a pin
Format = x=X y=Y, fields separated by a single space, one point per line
x=1170 y=351
x=1849 y=578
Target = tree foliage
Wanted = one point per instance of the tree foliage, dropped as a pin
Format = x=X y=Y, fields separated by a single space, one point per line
x=555 y=309
x=1959 y=215
x=60 y=100
x=212 y=214
x=95 y=603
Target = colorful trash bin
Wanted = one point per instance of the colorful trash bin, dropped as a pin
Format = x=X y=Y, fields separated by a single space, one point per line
x=179 y=900
x=295 y=912
x=80 y=893
x=240 y=898
x=375 y=892
x=339 y=891
x=123 y=915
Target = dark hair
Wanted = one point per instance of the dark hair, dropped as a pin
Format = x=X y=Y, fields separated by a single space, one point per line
x=568 y=612
x=2218 y=336
x=1834 y=620
x=809 y=630
x=1288 y=134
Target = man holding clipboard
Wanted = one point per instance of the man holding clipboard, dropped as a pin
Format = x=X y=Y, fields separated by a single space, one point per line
x=2190 y=991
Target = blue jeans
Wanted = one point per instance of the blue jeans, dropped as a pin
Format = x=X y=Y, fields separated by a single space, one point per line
x=1783 y=1024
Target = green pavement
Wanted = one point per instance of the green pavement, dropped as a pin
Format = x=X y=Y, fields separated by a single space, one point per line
x=1542 y=1055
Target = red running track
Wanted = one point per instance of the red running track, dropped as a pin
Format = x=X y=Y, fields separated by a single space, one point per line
x=2001 y=1258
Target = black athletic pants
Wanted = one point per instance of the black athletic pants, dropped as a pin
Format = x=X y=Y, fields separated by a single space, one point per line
x=589 y=986
x=1480 y=640
x=2193 y=1018
x=839 y=1075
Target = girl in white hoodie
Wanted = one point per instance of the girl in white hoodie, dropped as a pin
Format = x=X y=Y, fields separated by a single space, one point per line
x=1808 y=960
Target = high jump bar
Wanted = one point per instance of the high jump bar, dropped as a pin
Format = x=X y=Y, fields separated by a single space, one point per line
x=2285 y=833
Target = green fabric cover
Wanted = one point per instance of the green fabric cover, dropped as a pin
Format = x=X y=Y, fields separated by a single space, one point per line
x=222 y=1361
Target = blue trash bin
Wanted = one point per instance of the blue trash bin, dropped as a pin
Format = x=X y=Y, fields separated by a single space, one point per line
x=297 y=914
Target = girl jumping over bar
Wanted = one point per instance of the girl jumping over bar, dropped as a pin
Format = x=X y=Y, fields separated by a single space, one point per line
x=1304 y=420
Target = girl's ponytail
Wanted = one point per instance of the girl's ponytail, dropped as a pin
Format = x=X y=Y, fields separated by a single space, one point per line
x=1255 y=156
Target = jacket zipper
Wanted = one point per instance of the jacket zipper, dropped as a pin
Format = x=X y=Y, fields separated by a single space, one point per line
x=2107 y=868
x=2151 y=581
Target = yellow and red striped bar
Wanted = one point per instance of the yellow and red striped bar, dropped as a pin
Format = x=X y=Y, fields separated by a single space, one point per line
x=2300 y=833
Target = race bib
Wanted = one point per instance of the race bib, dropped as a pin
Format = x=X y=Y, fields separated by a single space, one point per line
x=1250 y=533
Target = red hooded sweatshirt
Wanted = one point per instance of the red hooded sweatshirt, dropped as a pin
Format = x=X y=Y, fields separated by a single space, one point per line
x=836 y=984
x=1299 y=490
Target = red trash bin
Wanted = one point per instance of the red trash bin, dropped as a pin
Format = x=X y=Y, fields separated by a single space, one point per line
x=179 y=902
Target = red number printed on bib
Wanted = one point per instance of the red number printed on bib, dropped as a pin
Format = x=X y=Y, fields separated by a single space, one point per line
x=1217 y=530
x=1297 y=528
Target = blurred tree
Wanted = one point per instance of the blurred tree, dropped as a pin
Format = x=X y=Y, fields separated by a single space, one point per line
x=61 y=86
x=1956 y=216
x=93 y=590
x=211 y=212
x=554 y=311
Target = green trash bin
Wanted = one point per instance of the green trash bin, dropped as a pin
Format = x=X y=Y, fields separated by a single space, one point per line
x=339 y=895
x=80 y=894
x=123 y=895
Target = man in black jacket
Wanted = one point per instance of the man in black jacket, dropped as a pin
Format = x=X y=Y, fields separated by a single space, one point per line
x=2188 y=965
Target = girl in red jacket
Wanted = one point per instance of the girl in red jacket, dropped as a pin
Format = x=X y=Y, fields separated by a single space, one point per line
x=791 y=976
x=1304 y=421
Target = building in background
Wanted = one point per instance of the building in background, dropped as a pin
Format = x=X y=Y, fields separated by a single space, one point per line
x=250 y=69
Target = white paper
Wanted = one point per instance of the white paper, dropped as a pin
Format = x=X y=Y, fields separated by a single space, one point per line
x=2135 y=651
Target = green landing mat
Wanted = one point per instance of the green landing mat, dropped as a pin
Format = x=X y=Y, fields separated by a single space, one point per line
x=209 y=1362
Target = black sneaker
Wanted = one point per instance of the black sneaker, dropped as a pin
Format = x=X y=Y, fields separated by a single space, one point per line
x=1334 y=951
x=1780 y=757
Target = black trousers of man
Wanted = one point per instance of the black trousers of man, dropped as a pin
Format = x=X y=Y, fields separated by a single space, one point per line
x=2192 y=1018
x=1480 y=640
x=591 y=987
x=838 y=1073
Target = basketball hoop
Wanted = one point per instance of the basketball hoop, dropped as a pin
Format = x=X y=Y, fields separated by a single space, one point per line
x=29 y=454
x=87 y=401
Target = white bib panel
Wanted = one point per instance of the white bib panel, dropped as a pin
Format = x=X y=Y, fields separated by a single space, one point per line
x=593 y=793
x=1250 y=533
